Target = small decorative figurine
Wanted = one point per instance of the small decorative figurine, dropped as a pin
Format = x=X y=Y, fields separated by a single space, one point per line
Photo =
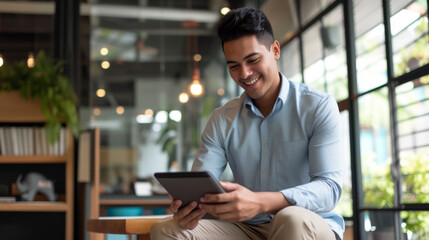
x=33 y=183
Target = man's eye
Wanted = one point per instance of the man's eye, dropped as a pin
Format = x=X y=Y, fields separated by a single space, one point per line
x=254 y=60
x=233 y=67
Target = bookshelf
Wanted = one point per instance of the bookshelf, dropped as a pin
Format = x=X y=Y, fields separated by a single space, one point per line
x=17 y=111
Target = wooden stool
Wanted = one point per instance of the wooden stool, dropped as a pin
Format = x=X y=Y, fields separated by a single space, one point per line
x=139 y=226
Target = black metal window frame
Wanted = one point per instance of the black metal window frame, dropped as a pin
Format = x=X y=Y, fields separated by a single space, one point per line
x=351 y=104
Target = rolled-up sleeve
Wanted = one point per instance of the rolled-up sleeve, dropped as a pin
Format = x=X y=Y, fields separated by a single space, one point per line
x=324 y=190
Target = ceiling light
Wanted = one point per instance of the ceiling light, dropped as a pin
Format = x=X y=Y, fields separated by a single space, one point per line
x=142 y=118
x=161 y=117
x=220 y=92
x=105 y=64
x=196 y=88
x=175 y=115
x=104 y=51
x=197 y=57
x=225 y=10
x=183 y=97
x=30 y=60
x=148 y=13
x=101 y=92
x=148 y=112
x=120 y=110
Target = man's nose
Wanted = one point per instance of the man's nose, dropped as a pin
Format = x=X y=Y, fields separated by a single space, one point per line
x=245 y=72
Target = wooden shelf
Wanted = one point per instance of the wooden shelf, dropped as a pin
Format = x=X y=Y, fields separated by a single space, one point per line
x=34 y=207
x=33 y=159
x=14 y=112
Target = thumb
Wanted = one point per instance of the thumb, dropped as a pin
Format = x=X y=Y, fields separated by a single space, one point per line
x=229 y=186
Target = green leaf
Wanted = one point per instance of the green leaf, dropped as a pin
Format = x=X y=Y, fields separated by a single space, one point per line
x=46 y=82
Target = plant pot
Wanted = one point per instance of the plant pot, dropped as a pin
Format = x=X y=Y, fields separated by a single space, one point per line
x=19 y=109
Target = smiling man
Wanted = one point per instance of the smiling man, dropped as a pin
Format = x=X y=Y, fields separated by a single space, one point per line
x=282 y=140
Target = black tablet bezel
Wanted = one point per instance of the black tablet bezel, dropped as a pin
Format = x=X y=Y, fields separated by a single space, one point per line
x=189 y=186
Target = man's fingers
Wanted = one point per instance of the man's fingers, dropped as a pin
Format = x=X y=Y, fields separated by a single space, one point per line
x=218 y=198
x=175 y=205
x=191 y=221
x=185 y=210
x=229 y=186
x=217 y=209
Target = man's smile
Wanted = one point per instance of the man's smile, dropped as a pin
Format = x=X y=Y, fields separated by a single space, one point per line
x=251 y=81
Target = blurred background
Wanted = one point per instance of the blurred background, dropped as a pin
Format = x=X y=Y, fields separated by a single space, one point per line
x=149 y=73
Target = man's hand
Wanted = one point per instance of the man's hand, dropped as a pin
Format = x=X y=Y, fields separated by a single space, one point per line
x=240 y=204
x=237 y=204
x=187 y=217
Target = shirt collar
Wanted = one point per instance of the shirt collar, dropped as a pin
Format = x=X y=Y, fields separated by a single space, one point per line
x=281 y=98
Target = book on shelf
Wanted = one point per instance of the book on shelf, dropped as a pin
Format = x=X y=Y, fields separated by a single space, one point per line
x=26 y=141
x=2 y=142
x=7 y=199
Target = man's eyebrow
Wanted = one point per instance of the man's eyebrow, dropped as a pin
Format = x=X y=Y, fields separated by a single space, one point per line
x=246 y=57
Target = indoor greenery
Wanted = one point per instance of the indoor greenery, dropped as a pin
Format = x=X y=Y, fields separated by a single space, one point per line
x=46 y=82
x=168 y=140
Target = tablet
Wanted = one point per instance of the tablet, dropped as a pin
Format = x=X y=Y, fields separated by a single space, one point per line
x=189 y=186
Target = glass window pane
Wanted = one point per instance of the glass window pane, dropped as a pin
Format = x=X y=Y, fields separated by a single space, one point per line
x=310 y=9
x=412 y=100
x=409 y=28
x=335 y=54
x=313 y=63
x=371 y=67
x=415 y=224
x=143 y=63
x=375 y=149
x=325 y=57
x=290 y=61
x=344 y=206
x=380 y=225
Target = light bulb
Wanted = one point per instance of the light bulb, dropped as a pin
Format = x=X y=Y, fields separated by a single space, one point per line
x=101 y=92
x=196 y=88
x=120 y=110
x=104 y=51
x=183 y=97
x=105 y=64
x=30 y=60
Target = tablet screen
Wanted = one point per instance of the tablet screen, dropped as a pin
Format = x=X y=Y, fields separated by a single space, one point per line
x=189 y=186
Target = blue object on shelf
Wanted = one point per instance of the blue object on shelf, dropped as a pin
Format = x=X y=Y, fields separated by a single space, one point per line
x=127 y=211
x=158 y=211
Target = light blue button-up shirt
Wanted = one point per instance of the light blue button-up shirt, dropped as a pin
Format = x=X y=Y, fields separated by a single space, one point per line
x=296 y=149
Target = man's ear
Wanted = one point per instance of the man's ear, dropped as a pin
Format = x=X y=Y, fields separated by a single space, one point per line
x=275 y=48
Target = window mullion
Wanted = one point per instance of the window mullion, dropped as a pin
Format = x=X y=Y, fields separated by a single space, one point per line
x=357 y=190
x=395 y=165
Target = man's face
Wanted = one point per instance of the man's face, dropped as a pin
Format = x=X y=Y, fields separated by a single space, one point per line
x=253 y=67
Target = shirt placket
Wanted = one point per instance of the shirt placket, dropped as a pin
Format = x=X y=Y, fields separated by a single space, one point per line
x=264 y=154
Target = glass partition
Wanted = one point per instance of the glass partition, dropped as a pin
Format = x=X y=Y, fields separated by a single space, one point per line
x=141 y=59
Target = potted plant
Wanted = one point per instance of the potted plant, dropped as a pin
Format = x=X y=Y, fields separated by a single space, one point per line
x=46 y=82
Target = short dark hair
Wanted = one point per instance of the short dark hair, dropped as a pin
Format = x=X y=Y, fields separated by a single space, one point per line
x=243 y=22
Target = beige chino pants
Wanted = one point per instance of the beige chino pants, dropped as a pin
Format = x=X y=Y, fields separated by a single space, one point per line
x=291 y=223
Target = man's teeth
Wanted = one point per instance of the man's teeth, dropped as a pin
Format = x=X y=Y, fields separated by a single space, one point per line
x=252 y=81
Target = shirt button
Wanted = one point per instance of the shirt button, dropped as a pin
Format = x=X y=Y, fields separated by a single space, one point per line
x=265 y=144
x=265 y=170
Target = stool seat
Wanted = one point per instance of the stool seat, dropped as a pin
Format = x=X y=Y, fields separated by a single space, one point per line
x=139 y=226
